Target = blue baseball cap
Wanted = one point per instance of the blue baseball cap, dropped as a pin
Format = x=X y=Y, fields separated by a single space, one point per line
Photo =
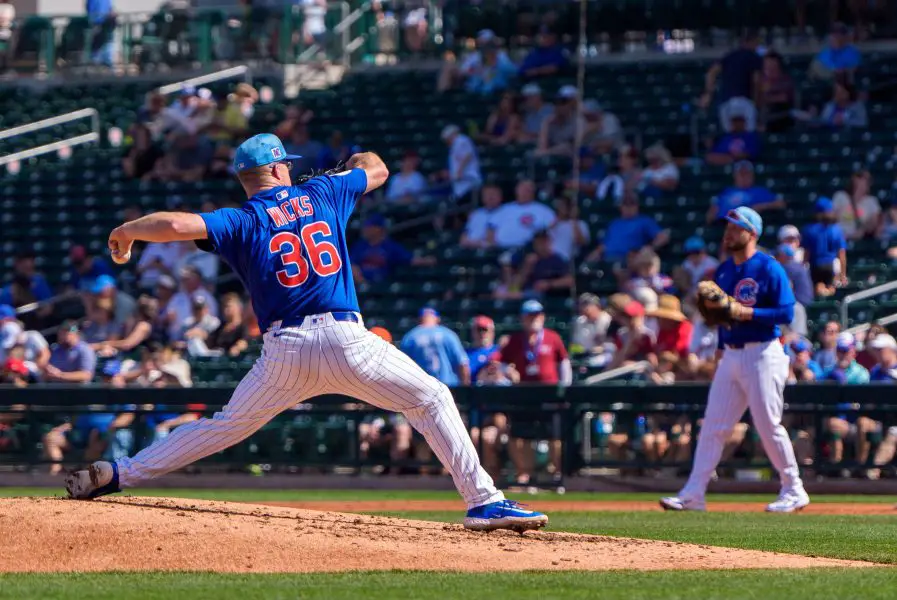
x=694 y=244
x=746 y=218
x=786 y=249
x=532 y=307
x=824 y=205
x=800 y=345
x=259 y=150
x=101 y=283
x=428 y=311
x=7 y=312
x=375 y=220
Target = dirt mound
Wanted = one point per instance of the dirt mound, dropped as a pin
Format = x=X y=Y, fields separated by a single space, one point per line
x=133 y=533
x=554 y=505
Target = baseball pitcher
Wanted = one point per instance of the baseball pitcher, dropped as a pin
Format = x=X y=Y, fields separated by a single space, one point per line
x=287 y=244
x=749 y=298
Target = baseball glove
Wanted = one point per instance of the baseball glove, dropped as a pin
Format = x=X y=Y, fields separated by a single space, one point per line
x=717 y=307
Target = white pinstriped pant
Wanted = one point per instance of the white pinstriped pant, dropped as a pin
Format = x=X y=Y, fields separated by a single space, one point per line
x=751 y=378
x=324 y=356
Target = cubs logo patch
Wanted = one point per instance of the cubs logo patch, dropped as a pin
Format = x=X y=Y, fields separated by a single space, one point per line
x=276 y=153
x=746 y=291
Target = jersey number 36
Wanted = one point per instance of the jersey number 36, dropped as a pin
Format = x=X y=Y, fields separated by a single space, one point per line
x=323 y=256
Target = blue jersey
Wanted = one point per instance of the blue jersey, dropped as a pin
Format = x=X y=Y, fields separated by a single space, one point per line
x=478 y=358
x=761 y=283
x=823 y=243
x=288 y=246
x=437 y=350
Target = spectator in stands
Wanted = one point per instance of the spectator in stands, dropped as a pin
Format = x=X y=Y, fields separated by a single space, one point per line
x=482 y=344
x=790 y=236
x=846 y=369
x=100 y=325
x=591 y=173
x=558 y=133
x=802 y=364
x=695 y=266
x=603 y=133
x=407 y=186
x=858 y=212
x=885 y=370
x=534 y=113
x=503 y=123
x=101 y=15
x=13 y=371
x=71 y=359
x=85 y=268
x=826 y=249
x=414 y=26
x=207 y=263
x=230 y=338
x=34 y=350
x=143 y=153
x=27 y=284
x=142 y=330
x=629 y=232
x=463 y=173
x=477 y=230
x=337 y=150
x=7 y=33
x=737 y=144
x=635 y=341
x=887 y=231
x=744 y=192
x=845 y=109
x=437 y=350
x=158 y=259
x=664 y=373
x=179 y=117
x=485 y=71
x=375 y=256
x=644 y=272
x=777 y=94
x=569 y=234
x=299 y=143
x=626 y=180
x=494 y=373
x=295 y=115
x=739 y=73
x=543 y=271
x=868 y=356
x=674 y=329
x=590 y=331
x=514 y=224
x=199 y=325
x=799 y=276
x=180 y=307
x=828 y=339
x=547 y=58
x=187 y=161
x=105 y=292
x=230 y=120
x=661 y=175
x=839 y=60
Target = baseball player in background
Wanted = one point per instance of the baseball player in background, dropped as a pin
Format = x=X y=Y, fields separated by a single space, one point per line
x=287 y=244
x=749 y=298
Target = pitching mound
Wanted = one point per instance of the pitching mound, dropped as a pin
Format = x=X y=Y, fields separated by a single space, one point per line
x=133 y=533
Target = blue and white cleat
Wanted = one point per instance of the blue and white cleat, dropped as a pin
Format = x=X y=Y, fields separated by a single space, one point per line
x=504 y=514
x=99 y=479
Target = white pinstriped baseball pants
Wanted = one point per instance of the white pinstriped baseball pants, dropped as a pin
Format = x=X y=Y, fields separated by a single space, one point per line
x=324 y=356
x=751 y=378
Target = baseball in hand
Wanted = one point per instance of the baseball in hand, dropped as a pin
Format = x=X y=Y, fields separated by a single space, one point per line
x=119 y=258
x=119 y=247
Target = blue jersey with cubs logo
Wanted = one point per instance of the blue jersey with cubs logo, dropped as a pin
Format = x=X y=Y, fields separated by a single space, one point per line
x=288 y=246
x=761 y=283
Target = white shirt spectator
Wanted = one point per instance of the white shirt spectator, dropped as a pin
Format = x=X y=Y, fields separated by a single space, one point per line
x=208 y=323
x=515 y=224
x=181 y=307
x=703 y=339
x=650 y=175
x=168 y=254
x=469 y=178
x=697 y=270
x=478 y=224
x=866 y=214
x=588 y=333
x=179 y=117
x=402 y=184
x=562 y=240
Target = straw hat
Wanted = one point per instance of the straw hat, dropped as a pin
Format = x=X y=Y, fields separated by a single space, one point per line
x=668 y=307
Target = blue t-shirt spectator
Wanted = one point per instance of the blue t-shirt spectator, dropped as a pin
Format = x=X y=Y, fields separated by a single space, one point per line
x=552 y=56
x=737 y=75
x=98 y=10
x=376 y=261
x=71 y=359
x=822 y=243
x=479 y=358
x=741 y=144
x=733 y=197
x=39 y=288
x=801 y=283
x=624 y=235
x=437 y=350
x=887 y=375
x=845 y=58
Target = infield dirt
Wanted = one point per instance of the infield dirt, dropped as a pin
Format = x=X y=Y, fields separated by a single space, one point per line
x=147 y=534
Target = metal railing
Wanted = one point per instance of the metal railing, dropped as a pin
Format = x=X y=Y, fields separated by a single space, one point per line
x=87 y=138
x=639 y=367
x=866 y=326
x=871 y=292
x=242 y=71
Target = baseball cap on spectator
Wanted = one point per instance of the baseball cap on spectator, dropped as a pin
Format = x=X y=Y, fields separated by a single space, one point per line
x=167 y=281
x=375 y=220
x=787 y=250
x=746 y=218
x=824 y=205
x=483 y=322
x=77 y=253
x=7 y=312
x=743 y=165
x=801 y=345
x=532 y=307
x=102 y=283
x=197 y=301
x=634 y=309
x=188 y=91
x=882 y=341
x=204 y=93
x=694 y=244
x=382 y=333
x=428 y=311
x=567 y=92
x=259 y=150
x=531 y=89
x=15 y=365
x=70 y=326
x=588 y=299
x=787 y=232
x=846 y=342
x=448 y=131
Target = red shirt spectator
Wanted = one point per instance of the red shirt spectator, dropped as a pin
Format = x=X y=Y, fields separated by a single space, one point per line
x=674 y=334
x=537 y=353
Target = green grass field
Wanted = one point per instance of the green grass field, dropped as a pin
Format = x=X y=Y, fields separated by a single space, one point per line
x=868 y=538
